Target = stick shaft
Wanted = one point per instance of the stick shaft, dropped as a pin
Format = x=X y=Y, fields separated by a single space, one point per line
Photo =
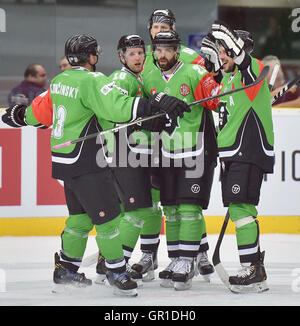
x=285 y=89
x=260 y=78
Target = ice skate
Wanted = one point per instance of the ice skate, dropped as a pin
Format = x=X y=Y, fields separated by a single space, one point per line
x=204 y=267
x=122 y=283
x=66 y=279
x=251 y=278
x=166 y=275
x=183 y=273
x=147 y=265
x=134 y=274
x=100 y=270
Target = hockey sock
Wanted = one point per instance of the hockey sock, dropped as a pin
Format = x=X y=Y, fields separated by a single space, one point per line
x=172 y=230
x=247 y=231
x=130 y=228
x=152 y=225
x=191 y=228
x=75 y=235
x=203 y=243
x=109 y=239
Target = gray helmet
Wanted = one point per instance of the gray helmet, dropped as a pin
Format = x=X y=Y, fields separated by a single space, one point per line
x=162 y=16
x=166 y=38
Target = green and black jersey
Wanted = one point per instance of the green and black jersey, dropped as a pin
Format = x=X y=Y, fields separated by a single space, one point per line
x=245 y=118
x=79 y=103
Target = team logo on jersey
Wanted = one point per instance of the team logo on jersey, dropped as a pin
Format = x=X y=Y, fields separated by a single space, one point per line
x=153 y=91
x=195 y=188
x=184 y=90
x=102 y=214
x=235 y=189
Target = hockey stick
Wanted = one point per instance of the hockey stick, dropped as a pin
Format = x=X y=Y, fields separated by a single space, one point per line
x=273 y=76
x=216 y=255
x=287 y=87
x=260 y=78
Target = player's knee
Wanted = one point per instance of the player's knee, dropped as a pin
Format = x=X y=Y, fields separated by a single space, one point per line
x=189 y=212
x=79 y=224
x=170 y=213
x=244 y=221
x=137 y=217
x=109 y=229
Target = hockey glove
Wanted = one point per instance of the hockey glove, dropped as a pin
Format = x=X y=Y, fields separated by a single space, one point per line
x=171 y=105
x=159 y=124
x=211 y=52
x=232 y=43
x=15 y=116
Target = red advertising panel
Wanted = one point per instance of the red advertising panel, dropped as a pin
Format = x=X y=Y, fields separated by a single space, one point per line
x=10 y=167
x=49 y=190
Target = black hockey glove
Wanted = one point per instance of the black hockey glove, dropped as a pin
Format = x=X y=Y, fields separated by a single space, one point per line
x=170 y=124
x=171 y=105
x=15 y=116
x=158 y=124
x=211 y=51
x=232 y=43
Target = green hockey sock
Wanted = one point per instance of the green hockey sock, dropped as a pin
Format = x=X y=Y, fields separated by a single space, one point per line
x=191 y=222
x=152 y=220
x=131 y=225
x=244 y=217
x=75 y=235
x=247 y=231
x=109 y=239
x=172 y=223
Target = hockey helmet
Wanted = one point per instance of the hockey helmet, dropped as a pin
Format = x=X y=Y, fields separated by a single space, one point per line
x=130 y=41
x=79 y=47
x=162 y=16
x=166 y=38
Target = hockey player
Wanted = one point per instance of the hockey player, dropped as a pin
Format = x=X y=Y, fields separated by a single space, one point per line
x=245 y=142
x=183 y=194
x=134 y=181
x=164 y=20
x=79 y=102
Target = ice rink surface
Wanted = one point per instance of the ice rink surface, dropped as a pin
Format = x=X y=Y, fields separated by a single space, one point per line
x=27 y=263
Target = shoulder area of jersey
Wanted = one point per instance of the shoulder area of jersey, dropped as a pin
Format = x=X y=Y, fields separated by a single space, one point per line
x=185 y=49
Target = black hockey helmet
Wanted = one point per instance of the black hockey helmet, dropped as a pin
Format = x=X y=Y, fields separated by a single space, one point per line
x=166 y=38
x=162 y=16
x=79 y=47
x=247 y=38
x=130 y=41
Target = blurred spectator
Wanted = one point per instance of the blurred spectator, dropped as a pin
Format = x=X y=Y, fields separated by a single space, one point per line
x=276 y=41
x=64 y=64
x=35 y=78
x=291 y=97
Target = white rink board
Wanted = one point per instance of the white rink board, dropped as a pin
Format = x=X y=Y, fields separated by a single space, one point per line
x=279 y=195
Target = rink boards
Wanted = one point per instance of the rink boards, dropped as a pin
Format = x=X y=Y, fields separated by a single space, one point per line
x=32 y=202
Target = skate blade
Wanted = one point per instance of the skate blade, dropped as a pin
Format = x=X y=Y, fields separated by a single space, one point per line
x=139 y=282
x=182 y=286
x=206 y=278
x=68 y=288
x=100 y=279
x=252 y=288
x=125 y=293
x=149 y=276
x=167 y=283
